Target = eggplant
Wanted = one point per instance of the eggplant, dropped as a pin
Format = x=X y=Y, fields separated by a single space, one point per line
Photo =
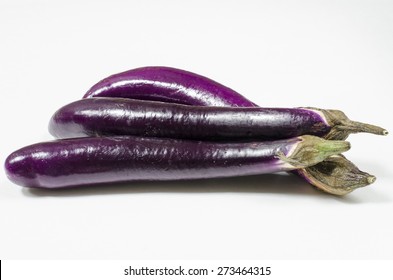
x=168 y=85
x=92 y=160
x=178 y=86
x=336 y=175
x=121 y=116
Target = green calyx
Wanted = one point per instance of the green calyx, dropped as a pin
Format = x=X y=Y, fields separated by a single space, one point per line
x=321 y=163
x=311 y=150
x=336 y=175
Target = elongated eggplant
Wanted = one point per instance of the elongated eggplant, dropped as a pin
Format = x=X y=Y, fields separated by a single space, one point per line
x=173 y=85
x=335 y=175
x=121 y=116
x=168 y=85
x=92 y=160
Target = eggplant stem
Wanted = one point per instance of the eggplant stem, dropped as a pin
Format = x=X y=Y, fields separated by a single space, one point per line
x=356 y=127
x=342 y=126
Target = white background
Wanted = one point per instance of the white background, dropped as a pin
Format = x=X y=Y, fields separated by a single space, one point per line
x=329 y=54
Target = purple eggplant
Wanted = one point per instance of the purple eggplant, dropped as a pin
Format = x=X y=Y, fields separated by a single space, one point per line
x=335 y=175
x=168 y=85
x=121 y=116
x=93 y=160
x=178 y=86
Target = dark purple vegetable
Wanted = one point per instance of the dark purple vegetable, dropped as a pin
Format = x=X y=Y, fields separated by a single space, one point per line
x=178 y=86
x=84 y=161
x=168 y=85
x=120 y=116
x=335 y=175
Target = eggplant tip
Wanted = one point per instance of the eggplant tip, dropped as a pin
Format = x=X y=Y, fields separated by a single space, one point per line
x=371 y=179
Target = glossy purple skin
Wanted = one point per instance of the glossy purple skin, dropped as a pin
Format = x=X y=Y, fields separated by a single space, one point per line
x=161 y=93
x=168 y=85
x=86 y=161
x=120 y=116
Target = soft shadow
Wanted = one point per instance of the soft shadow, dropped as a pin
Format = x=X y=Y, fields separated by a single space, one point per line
x=281 y=184
x=267 y=183
x=373 y=196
